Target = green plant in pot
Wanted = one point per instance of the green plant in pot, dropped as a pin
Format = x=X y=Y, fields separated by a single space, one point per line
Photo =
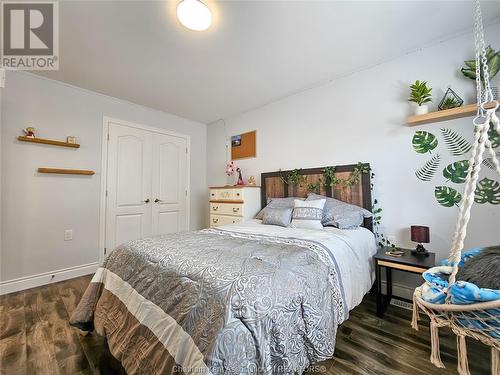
x=420 y=94
x=493 y=60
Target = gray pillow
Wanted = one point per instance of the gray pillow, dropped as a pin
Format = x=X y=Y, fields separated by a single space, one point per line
x=277 y=203
x=340 y=214
x=277 y=216
x=483 y=269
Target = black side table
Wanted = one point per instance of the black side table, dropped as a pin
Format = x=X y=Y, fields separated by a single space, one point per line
x=406 y=263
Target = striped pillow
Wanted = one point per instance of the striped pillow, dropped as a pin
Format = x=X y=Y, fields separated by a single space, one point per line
x=308 y=214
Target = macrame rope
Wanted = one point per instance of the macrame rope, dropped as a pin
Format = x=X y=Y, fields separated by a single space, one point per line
x=495 y=361
x=435 y=350
x=463 y=363
x=415 y=314
x=475 y=161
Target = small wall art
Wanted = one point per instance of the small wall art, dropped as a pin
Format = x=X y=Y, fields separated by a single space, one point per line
x=244 y=145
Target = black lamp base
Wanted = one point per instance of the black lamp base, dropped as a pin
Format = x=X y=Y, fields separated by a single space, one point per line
x=420 y=250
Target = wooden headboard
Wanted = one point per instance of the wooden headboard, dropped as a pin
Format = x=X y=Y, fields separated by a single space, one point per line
x=274 y=185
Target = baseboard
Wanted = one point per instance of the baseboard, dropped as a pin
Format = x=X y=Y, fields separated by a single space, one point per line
x=27 y=282
x=399 y=290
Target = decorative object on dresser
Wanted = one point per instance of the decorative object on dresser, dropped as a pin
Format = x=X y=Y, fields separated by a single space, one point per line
x=421 y=235
x=231 y=168
x=233 y=204
x=240 y=177
x=405 y=262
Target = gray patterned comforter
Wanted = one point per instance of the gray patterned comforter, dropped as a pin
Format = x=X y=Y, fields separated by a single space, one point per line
x=213 y=301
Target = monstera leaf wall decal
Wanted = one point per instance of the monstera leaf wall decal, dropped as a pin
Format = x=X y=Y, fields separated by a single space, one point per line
x=447 y=196
x=455 y=143
x=494 y=137
x=457 y=171
x=429 y=169
x=423 y=142
x=487 y=191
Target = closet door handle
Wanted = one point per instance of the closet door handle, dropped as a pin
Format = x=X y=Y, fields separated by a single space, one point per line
x=146 y=200
x=158 y=200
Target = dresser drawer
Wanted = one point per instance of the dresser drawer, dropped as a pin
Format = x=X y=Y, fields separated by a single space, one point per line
x=230 y=194
x=233 y=209
x=216 y=220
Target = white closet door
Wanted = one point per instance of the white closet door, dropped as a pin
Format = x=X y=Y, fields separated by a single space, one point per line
x=129 y=200
x=170 y=184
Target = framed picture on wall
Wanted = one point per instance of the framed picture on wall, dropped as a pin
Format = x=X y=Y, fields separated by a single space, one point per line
x=243 y=145
x=236 y=140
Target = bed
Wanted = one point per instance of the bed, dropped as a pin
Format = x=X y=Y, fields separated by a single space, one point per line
x=243 y=298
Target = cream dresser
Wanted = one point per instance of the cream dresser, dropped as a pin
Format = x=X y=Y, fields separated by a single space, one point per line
x=233 y=204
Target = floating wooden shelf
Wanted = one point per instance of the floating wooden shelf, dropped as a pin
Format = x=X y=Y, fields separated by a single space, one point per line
x=66 y=171
x=48 y=142
x=445 y=115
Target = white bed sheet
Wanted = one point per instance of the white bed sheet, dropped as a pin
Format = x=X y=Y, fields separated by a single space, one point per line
x=353 y=250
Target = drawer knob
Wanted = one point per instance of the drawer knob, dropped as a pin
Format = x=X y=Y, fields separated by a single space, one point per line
x=215 y=208
x=215 y=220
x=236 y=209
x=237 y=194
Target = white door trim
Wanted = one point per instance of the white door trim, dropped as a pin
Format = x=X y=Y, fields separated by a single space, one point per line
x=104 y=173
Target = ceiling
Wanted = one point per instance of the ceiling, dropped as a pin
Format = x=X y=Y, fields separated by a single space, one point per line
x=254 y=53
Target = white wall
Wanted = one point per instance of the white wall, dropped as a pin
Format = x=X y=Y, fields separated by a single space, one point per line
x=361 y=117
x=38 y=208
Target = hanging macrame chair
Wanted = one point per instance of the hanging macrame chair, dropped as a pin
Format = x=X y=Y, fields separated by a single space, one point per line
x=479 y=320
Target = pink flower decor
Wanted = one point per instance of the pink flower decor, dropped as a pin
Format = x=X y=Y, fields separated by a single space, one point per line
x=230 y=168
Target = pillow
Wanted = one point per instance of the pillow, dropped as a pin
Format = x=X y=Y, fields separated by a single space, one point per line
x=277 y=203
x=308 y=214
x=482 y=269
x=277 y=216
x=340 y=214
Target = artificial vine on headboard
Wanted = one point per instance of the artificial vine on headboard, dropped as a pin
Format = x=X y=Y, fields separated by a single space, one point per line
x=329 y=180
x=295 y=178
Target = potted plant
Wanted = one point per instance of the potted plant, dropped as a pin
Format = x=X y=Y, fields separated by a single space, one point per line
x=420 y=94
x=493 y=60
x=450 y=100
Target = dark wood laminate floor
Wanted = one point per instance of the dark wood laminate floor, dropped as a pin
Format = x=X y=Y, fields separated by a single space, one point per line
x=35 y=338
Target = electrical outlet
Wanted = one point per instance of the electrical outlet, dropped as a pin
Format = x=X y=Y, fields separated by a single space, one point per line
x=68 y=234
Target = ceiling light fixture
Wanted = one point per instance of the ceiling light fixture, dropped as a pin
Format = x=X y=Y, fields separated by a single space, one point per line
x=194 y=15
